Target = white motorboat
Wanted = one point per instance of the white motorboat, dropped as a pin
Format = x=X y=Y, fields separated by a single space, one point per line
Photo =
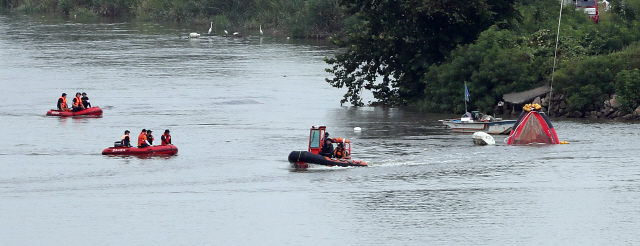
x=475 y=121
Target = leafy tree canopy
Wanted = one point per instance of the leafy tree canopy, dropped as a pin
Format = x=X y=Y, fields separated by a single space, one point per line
x=394 y=42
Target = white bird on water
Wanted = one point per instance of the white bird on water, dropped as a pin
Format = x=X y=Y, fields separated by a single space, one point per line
x=225 y=32
x=210 y=28
x=261 y=33
x=236 y=33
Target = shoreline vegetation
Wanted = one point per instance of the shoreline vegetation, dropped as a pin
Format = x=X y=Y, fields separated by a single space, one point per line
x=421 y=53
x=296 y=18
x=496 y=47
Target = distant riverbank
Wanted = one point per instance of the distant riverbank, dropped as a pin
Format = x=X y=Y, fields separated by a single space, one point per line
x=303 y=19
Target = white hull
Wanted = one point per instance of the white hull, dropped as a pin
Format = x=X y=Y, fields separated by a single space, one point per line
x=496 y=127
x=482 y=138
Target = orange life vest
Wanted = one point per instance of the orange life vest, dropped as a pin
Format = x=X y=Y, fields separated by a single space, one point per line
x=78 y=102
x=122 y=141
x=142 y=138
x=166 y=140
x=338 y=153
x=64 y=102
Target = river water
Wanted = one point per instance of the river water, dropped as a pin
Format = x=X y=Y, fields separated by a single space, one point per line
x=236 y=107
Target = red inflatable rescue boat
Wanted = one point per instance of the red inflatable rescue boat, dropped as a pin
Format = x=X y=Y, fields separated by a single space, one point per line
x=151 y=150
x=93 y=111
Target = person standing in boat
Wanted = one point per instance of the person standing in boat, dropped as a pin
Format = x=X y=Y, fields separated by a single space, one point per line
x=149 y=137
x=326 y=136
x=142 y=139
x=166 y=138
x=327 y=148
x=126 y=140
x=62 y=103
x=85 y=100
x=77 y=103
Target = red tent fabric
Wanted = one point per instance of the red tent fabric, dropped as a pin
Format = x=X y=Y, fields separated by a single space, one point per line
x=533 y=127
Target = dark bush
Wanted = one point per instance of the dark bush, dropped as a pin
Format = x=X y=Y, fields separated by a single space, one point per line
x=628 y=89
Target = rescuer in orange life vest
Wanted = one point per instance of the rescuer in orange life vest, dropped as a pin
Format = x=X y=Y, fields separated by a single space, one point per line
x=142 y=139
x=166 y=138
x=126 y=141
x=77 y=103
x=62 y=102
x=339 y=152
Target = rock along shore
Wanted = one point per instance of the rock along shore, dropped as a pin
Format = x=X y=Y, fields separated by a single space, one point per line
x=609 y=109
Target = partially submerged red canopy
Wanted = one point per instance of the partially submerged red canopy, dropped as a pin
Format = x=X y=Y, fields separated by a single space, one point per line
x=533 y=127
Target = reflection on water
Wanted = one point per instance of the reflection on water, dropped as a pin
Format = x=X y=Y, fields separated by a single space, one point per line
x=236 y=109
x=141 y=157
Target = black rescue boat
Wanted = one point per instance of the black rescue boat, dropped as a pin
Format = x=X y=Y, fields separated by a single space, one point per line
x=302 y=159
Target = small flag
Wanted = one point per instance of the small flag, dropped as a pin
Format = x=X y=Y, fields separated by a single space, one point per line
x=466 y=92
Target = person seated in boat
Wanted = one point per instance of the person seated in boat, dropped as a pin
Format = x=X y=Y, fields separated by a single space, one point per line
x=142 y=139
x=126 y=140
x=149 y=137
x=62 y=103
x=339 y=152
x=77 y=103
x=166 y=137
x=327 y=148
x=85 y=100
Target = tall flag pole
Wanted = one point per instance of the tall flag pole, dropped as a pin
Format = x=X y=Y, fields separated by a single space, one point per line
x=466 y=96
x=555 y=55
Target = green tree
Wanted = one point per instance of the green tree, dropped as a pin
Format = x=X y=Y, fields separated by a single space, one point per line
x=396 y=41
x=499 y=62
x=628 y=89
x=521 y=57
x=588 y=80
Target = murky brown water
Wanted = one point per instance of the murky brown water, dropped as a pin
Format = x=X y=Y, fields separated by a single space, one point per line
x=236 y=107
